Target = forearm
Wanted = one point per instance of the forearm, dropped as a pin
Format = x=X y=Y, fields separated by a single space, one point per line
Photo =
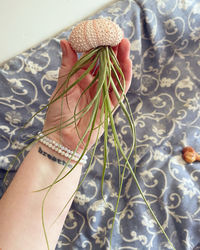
x=20 y=207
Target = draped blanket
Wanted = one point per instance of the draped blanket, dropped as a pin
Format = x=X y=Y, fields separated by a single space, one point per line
x=165 y=102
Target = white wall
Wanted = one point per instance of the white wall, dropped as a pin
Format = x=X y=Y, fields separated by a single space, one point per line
x=25 y=23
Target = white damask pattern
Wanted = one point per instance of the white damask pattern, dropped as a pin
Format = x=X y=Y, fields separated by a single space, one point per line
x=165 y=102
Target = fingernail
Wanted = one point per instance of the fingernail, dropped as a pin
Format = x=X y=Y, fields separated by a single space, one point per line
x=63 y=47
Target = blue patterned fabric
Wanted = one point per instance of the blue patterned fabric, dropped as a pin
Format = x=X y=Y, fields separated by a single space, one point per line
x=165 y=102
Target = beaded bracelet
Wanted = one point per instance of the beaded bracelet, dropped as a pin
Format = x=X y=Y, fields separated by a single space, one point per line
x=74 y=156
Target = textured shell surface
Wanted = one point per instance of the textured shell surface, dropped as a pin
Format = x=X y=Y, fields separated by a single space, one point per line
x=93 y=33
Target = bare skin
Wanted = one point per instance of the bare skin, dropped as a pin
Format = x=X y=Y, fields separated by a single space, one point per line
x=20 y=207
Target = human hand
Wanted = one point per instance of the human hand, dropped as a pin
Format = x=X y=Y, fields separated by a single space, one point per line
x=63 y=109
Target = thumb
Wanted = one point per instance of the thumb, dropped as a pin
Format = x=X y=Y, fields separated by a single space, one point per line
x=69 y=56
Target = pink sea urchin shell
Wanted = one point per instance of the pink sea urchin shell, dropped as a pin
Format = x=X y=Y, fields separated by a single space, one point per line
x=93 y=33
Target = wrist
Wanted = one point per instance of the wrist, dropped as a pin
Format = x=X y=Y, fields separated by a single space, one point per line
x=67 y=138
x=52 y=142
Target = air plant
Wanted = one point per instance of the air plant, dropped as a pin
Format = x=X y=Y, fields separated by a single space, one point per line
x=96 y=39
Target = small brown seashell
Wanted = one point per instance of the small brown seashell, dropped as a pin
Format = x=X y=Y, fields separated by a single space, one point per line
x=190 y=155
x=93 y=33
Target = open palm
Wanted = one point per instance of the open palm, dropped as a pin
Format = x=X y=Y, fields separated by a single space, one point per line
x=63 y=109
